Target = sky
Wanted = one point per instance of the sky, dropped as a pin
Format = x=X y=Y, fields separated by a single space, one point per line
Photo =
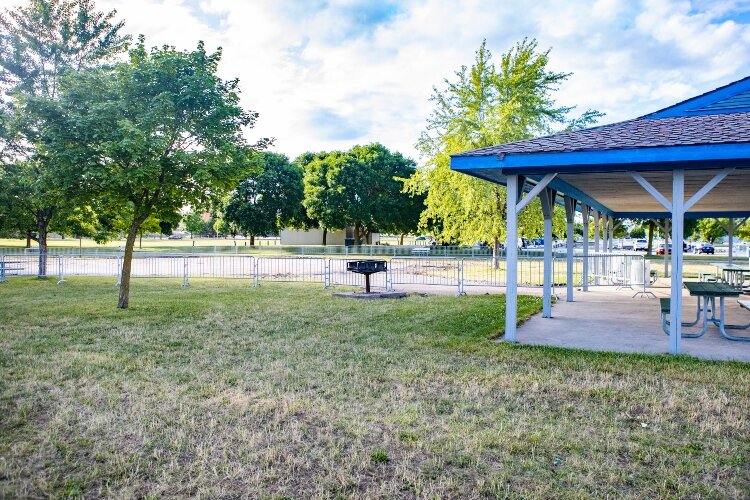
x=329 y=74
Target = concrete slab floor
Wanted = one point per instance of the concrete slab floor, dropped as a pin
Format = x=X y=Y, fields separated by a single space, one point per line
x=605 y=319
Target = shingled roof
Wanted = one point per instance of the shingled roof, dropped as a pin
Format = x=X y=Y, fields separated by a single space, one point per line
x=638 y=133
x=721 y=116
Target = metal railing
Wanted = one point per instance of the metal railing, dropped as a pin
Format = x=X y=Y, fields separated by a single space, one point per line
x=621 y=270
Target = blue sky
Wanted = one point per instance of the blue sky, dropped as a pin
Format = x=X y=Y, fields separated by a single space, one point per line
x=328 y=74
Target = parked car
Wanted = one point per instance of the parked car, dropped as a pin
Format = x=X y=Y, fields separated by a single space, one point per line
x=660 y=250
x=175 y=237
x=705 y=248
x=640 y=245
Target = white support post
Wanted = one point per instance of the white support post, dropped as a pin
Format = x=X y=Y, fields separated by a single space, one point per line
x=597 y=250
x=677 y=207
x=678 y=220
x=666 y=248
x=730 y=240
x=511 y=258
x=547 y=197
x=605 y=248
x=570 y=212
x=585 y=212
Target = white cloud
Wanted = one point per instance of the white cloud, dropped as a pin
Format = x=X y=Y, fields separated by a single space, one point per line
x=327 y=75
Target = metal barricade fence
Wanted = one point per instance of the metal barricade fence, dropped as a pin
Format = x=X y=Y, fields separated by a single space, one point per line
x=442 y=271
x=220 y=266
x=291 y=269
x=623 y=270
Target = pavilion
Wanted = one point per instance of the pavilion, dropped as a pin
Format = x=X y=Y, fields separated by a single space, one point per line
x=690 y=160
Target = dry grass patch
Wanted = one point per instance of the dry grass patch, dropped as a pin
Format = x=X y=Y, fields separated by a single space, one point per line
x=284 y=391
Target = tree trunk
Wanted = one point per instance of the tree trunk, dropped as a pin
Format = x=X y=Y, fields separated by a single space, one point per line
x=28 y=240
x=252 y=240
x=357 y=234
x=401 y=240
x=140 y=240
x=127 y=260
x=42 y=240
x=496 y=253
x=325 y=236
x=650 y=248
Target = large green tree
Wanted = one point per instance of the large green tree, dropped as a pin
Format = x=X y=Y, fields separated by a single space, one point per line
x=710 y=229
x=323 y=205
x=363 y=188
x=269 y=199
x=151 y=135
x=39 y=43
x=487 y=104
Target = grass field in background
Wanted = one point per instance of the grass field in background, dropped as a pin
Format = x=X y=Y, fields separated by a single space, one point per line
x=284 y=391
x=164 y=242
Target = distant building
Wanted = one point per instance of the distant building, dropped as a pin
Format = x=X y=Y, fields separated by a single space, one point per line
x=315 y=237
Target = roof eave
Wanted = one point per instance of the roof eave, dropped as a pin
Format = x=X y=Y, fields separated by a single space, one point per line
x=612 y=160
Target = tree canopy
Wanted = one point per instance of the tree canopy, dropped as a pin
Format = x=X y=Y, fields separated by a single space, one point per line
x=269 y=199
x=487 y=104
x=148 y=136
x=363 y=188
x=40 y=43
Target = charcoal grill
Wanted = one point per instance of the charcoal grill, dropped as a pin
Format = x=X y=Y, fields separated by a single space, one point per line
x=366 y=267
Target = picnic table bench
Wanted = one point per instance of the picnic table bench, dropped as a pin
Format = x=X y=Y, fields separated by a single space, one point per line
x=733 y=274
x=707 y=292
x=710 y=277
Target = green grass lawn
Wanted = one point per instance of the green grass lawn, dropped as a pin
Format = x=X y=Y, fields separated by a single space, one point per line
x=221 y=390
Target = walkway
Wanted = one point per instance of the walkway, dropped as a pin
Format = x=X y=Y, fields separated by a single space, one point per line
x=609 y=320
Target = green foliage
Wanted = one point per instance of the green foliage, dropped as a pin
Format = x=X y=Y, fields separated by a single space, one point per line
x=638 y=232
x=39 y=43
x=711 y=229
x=269 y=199
x=743 y=231
x=42 y=40
x=379 y=456
x=195 y=224
x=150 y=135
x=487 y=105
x=363 y=187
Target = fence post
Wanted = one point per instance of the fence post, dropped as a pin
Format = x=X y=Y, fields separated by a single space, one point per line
x=119 y=269
x=60 y=269
x=185 y=281
x=2 y=267
x=389 y=278
x=256 y=280
x=460 y=264
x=327 y=274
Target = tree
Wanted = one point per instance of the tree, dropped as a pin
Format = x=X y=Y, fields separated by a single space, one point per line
x=484 y=106
x=710 y=229
x=743 y=231
x=152 y=135
x=269 y=199
x=638 y=232
x=322 y=204
x=363 y=188
x=194 y=223
x=39 y=43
